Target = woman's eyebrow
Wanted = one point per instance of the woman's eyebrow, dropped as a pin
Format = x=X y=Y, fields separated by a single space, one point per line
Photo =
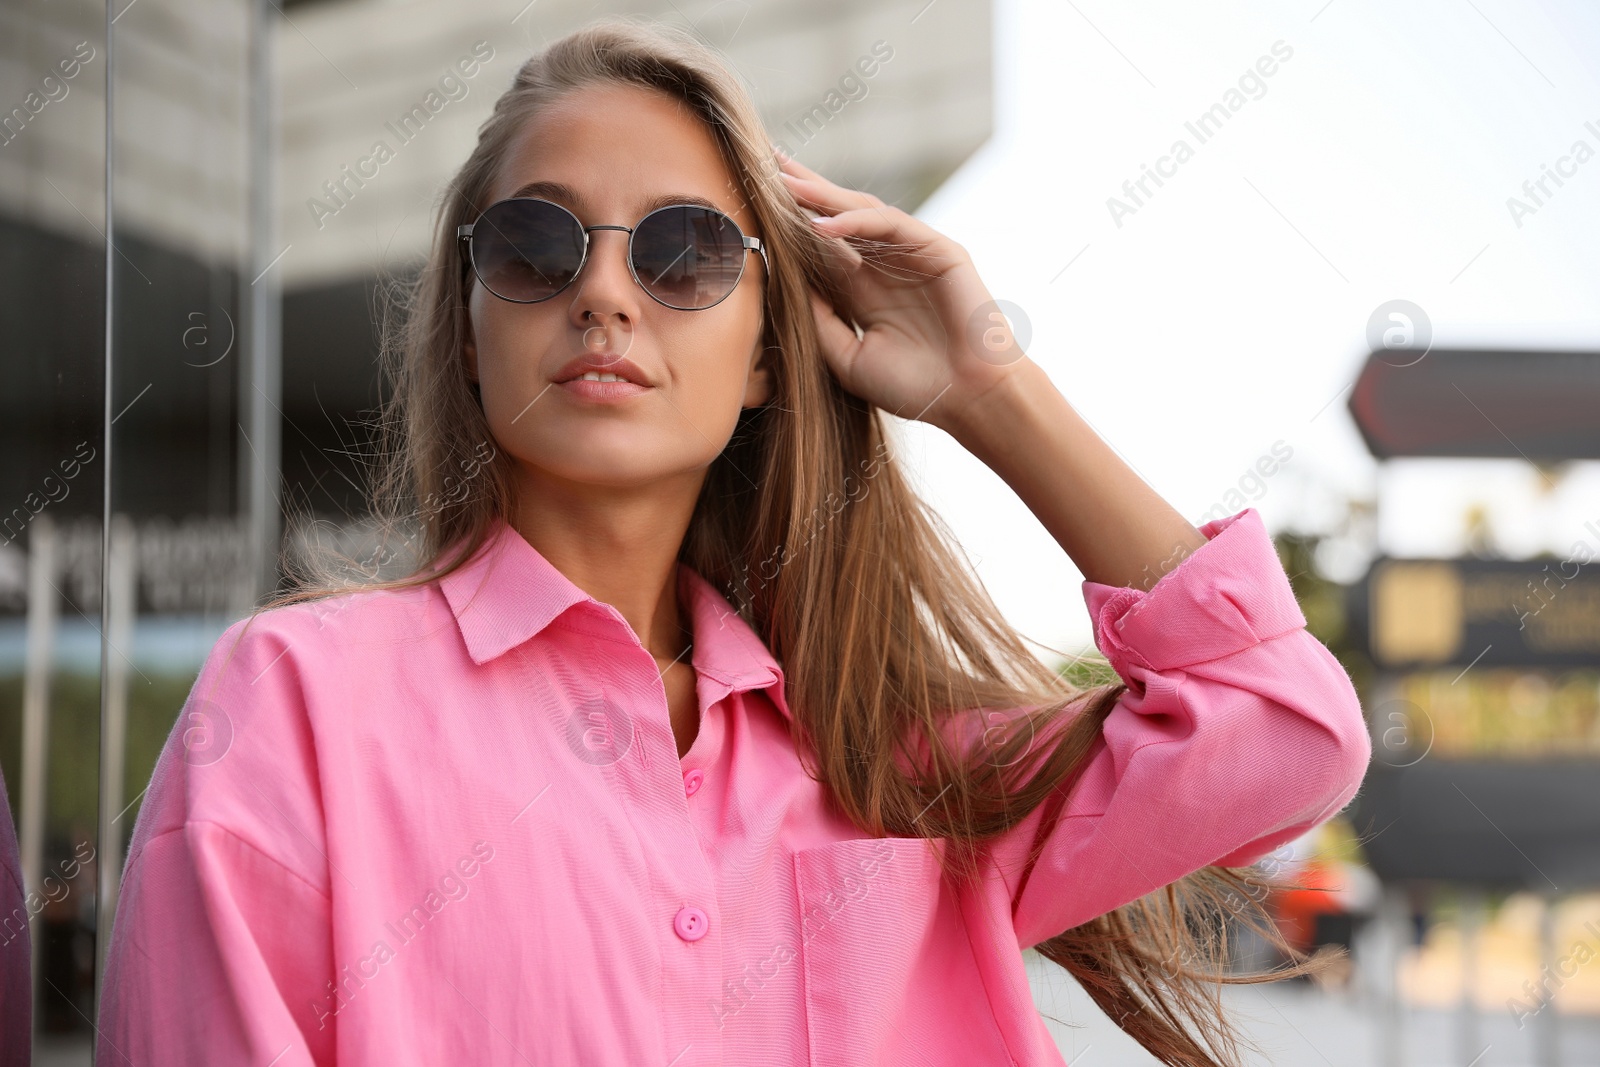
x=570 y=197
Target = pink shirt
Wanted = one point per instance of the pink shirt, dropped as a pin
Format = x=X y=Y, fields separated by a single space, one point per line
x=451 y=826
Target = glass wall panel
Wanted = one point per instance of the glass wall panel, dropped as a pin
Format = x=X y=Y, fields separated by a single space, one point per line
x=53 y=223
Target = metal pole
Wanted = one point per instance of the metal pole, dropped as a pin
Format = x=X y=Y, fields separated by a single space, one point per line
x=260 y=377
x=1546 y=1025
x=122 y=587
x=103 y=914
x=1470 y=923
x=1384 y=943
x=43 y=607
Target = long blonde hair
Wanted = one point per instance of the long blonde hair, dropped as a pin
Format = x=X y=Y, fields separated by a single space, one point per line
x=809 y=527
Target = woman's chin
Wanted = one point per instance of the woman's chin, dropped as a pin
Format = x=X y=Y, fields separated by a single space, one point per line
x=610 y=467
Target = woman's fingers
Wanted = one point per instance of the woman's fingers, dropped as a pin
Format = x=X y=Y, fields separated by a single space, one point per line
x=811 y=187
x=922 y=250
x=821 y=193
x=918 y=250
x=837 y=337
x=791 y=165
x=851 y=212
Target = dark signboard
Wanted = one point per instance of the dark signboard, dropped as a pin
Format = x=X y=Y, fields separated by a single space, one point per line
x=1539 y=406
x=1531 y=613
x=1533 y=826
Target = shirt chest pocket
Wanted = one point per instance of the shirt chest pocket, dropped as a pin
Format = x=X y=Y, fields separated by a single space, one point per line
x=888 y=969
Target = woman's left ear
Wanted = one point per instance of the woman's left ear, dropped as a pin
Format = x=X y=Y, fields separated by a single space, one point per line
x=759 y=385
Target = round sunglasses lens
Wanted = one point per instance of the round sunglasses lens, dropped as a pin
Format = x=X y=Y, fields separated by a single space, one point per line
x=526 y=250
x=688 y=257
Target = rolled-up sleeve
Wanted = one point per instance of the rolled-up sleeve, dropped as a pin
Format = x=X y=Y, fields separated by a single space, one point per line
x=1238 y=731
x=221 y=949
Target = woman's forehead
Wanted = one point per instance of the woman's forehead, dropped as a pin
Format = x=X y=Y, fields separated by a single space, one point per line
x=612 y=153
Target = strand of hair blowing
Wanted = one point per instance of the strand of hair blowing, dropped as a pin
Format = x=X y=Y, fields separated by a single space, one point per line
x=890 y=644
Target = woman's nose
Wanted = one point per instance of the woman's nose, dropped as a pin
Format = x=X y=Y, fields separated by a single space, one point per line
x=606 y=304
x=607 y=274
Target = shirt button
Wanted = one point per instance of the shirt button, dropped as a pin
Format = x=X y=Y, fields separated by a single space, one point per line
x=692 y=780
x=691 y=924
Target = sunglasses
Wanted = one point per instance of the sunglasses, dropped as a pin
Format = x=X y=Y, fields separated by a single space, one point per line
x=528 y=249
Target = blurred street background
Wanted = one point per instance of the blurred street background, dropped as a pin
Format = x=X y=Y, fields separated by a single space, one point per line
x=1333 y=260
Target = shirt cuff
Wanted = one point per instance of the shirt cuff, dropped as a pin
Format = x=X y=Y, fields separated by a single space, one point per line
x=1225 y=596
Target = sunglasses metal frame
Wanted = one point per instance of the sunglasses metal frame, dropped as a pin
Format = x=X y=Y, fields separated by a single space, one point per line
x=464 y=243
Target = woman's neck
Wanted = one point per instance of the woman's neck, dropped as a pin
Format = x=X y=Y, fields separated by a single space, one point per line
x=625 y=556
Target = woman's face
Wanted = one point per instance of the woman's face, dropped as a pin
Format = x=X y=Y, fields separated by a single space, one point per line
x=617 y=148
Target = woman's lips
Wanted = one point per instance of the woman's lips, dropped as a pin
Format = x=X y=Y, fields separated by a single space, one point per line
x=605 y=363
x=602 y=391
x=628 y=379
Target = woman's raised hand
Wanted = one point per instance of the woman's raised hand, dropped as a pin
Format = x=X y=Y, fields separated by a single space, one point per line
x=933 y=340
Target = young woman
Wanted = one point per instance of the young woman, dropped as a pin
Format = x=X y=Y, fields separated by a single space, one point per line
x=683 y=735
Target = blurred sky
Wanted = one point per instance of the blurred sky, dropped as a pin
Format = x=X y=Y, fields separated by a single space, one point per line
x=1226 y=313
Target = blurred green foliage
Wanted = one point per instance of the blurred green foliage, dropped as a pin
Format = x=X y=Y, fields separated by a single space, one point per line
x=154 y=701
x=1323 y=602
x=1325 y=605
x=1088 y=671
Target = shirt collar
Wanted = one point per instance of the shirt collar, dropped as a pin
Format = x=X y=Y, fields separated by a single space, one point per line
x=528 y=592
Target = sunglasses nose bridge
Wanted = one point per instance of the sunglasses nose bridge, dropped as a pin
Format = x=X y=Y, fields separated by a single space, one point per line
x=627 y=252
